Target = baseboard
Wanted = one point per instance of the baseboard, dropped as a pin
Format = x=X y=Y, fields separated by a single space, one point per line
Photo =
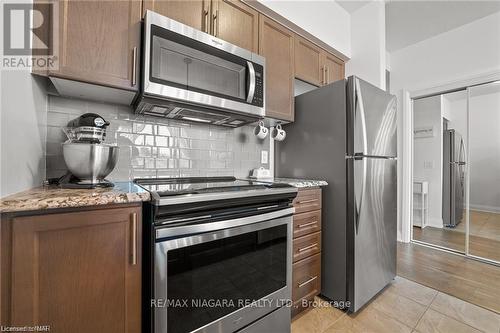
x=485 y=208
x=435 y=222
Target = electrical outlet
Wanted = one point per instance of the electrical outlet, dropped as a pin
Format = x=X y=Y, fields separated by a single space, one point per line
x=264 y=157
x=428 y=164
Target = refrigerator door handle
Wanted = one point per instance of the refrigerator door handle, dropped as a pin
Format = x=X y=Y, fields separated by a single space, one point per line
x=360 y=156
x=359 y=189
x=360 y=129
x=360 y=121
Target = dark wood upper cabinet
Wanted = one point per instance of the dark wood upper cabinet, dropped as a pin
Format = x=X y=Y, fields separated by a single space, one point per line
x=195 y=13
x=237 y=23
x=334 y=68
x=99 y=42
x=230 y=20
x=308 y=61
x=276 y=45
x=315 y=65
x=77 y=271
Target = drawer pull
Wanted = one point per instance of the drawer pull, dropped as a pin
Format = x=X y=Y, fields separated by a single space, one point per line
x=305 y=225
x=133 y=255
x=307 y=248
x=308 y=281
x=134 y=66
x=307 y=201
x=205 y=28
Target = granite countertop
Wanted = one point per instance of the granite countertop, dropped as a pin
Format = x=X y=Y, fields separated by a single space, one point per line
x=301 y=183
x=49 y=197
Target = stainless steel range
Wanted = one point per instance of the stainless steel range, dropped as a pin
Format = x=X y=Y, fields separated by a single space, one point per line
x=218 y=255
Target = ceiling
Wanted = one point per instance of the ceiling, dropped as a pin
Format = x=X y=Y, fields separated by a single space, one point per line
x=352 y=5
x=409 y=22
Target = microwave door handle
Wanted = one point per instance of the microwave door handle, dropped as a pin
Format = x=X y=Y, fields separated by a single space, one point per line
x=251 y=86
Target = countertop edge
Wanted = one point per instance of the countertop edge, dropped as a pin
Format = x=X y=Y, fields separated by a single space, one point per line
x=50 y=197
x=301 y=183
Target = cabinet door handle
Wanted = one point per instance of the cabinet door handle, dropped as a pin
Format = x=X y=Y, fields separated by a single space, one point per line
x=311 y=279
x=327 y=73
x=216 y=23
x=304 y=225
x=133 y=240
x=206 y=27
x=322 y=75
x=134 y=66
x=307 y=248
x=307 y=201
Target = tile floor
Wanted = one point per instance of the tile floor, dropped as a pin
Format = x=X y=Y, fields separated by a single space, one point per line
x=404 y=306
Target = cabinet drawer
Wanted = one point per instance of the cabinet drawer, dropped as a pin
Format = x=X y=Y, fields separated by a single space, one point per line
x=306 y=246
x=307 y=200
x=306 y=278
x=306 y=223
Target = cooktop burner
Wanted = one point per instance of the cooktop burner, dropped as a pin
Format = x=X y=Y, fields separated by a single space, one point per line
x=166 y=190
x=195 y=185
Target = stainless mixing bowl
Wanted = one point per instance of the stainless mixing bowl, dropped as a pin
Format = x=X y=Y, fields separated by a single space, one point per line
x=88 y=161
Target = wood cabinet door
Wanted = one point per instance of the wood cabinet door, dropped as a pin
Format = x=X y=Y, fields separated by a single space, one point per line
x=78 y=272
x=99 y=42
x=308 y=64
x=334 y=68
x=195 y=13
x=276 y=45
x=236 y=23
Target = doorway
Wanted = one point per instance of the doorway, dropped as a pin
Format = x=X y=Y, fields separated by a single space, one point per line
x=456 y=171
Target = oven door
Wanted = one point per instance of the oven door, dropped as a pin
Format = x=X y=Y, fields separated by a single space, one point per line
x=223 y=280
x=184 y=64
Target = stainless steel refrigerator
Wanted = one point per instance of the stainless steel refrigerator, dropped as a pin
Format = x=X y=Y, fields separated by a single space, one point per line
x=453 y=178
x=345 y=133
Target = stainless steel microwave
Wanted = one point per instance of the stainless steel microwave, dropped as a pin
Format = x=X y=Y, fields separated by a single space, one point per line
x=190 y=75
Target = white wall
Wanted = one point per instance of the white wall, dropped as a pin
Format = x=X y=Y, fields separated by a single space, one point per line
x=485 y=150
x=428 y=154
x=324 y=19
x=455 y=110
x=22 y=131
x=368 y=54
x=484 y=144
x=470 y=50
x=460 y=53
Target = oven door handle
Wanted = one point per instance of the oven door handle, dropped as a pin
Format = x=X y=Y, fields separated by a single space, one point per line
x=173 y=232
x=251 y=86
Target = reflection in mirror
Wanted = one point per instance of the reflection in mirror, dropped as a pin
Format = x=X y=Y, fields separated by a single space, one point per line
x=439 y=165
x=484 y=219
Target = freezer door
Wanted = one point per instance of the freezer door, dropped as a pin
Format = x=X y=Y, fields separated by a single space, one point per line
x=372 y=238
x=371 y=114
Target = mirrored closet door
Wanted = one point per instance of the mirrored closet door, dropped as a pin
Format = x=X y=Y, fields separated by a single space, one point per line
x=439 y=170
x=484 y=171
x=456 y=171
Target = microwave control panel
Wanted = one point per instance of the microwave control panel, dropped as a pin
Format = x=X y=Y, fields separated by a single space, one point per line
x=258 y=97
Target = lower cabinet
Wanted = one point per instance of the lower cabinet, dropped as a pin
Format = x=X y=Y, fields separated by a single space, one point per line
x=306 y=282
x=75 y=272
x=306 y=269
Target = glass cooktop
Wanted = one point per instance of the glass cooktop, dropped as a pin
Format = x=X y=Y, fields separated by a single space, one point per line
x=198 y=185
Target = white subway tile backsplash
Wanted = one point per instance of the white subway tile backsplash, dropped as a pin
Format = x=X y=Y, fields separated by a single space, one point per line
x=162 y=141
x=157 y=147
x=58 y=119
x=143 y=128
